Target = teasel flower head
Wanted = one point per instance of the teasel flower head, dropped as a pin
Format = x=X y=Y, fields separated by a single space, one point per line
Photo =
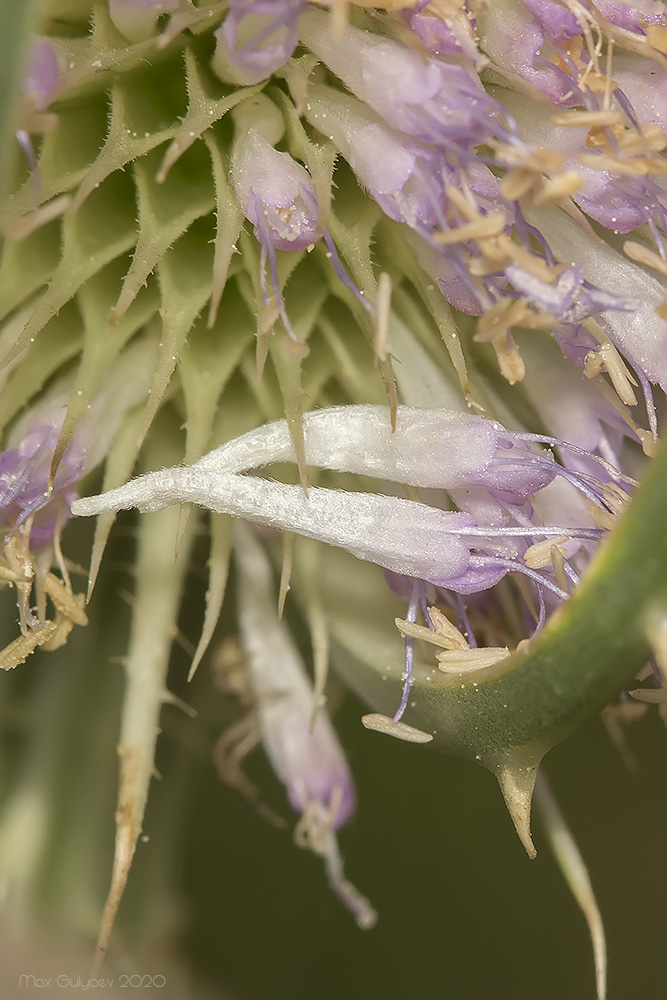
x=394 y=288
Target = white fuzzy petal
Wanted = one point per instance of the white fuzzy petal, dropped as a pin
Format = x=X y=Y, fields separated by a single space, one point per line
x=400 y=535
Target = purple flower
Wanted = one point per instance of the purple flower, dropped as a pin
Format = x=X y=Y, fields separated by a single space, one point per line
x=632 y=16
x=26 y=489
x=513 y=39
x=278 y=197
x=276 y=194
x=428 y=448
x=401 y=174
x=303 y=748
x=256 y=38
x=569 y=299
x=447 y=548
x=440 y=449
x=559 y=22
x=24 y=476
x=435 y=101
x=442 y=32
x=42 y=74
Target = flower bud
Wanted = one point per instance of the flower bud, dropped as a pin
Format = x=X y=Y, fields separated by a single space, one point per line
x=136 y=19
x=256 y=38
x=42 y=74
x=276 y=194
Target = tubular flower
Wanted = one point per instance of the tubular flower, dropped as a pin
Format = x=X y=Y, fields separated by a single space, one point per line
x=36 y=496
x=385 y=285
x=304 y=752
x=256 y=38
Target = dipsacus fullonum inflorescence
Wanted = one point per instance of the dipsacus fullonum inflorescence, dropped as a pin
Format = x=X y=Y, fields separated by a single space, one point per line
x=391 y=281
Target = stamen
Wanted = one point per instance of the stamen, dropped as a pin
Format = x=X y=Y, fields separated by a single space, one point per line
x=540 y=554
x=409 y=654
x=342 y=274
x=555 y=190
x=481 y=228
x=383 y=724
x=463 y=622
x=644 y=255
x=316 y=832
x=268 y=248
x=454 y=661
x=557 y=443
x=442 y=634
x=587 y=119
x=516 y=567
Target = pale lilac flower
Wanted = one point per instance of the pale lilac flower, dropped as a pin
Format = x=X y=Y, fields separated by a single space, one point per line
x=435 y=101
x=446 y=548
x=415 y=182
x=558 y=21
x=26 y=488
x=256 y=38
x=434 y=448
x=42 y=73
x=136 y=19
x=41 y=78
x=639 y=335
x=616 y=201
x=404 y=176
x=513 y=38
x=526 y=38
x=452 y=277
x=278 y=197
x=632 y=15
x=611 y=144
x=24 y=476
x=407 y=178
x=429 y=448
x=432 y=32
x=304 y=751
x=307 y=759
x=443 y=32
x=569 y=299
x=276 y=194
x=571 y=407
